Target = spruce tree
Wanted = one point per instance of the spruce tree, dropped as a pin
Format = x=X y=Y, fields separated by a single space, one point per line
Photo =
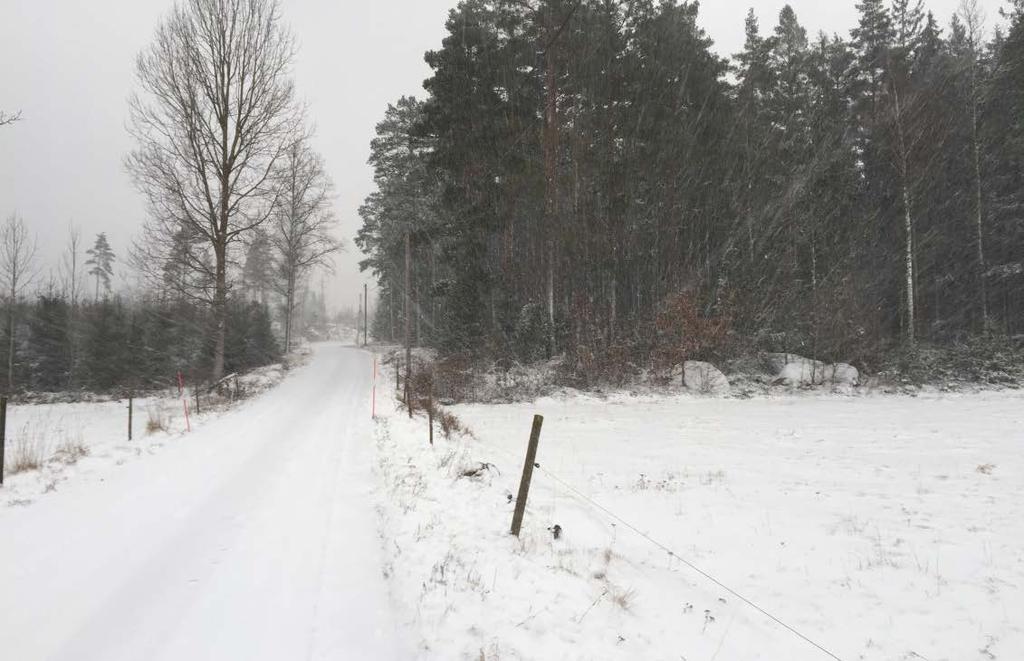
x=49 y=343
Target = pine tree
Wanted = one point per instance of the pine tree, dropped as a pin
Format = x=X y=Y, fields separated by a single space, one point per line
x=102 y=262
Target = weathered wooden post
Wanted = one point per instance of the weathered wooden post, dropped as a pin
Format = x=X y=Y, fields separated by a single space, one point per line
x=129 y=416
x=3 y=435
x=524 y=483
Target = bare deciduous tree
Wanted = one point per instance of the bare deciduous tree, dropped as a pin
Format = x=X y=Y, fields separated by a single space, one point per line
x=71 y=277
x=17 y=252
x=215 y=113
x=70 y=268
x=302 y=224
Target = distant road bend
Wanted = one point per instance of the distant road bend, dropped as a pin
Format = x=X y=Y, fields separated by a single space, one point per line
x=254 y=538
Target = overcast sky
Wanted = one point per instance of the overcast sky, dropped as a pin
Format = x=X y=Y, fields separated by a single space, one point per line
x=67 y=65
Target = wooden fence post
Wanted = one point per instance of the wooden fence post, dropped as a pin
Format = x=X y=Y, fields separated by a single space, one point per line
x=129 y=416
x=3 y=435
x=524 y=483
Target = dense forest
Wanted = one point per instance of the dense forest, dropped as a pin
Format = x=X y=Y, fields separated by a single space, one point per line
x=587 y=178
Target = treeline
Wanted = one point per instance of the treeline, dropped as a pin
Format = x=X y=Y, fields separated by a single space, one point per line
x=118 y=344
x=585 y=177
x=72 y=332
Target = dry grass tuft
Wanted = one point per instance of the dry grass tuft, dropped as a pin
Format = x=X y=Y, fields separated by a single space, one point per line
x=70 y=451
x=156 y=421
x=623 y=598
x=28 y=452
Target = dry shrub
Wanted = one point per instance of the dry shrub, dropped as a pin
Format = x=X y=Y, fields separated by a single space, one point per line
x=71 y=450
x=423 y=394
x=614 y=365
x=684 y=332
x=28 y=452
x=449 y=423
x=156 y=421
x=453 y=378
x=623 y=598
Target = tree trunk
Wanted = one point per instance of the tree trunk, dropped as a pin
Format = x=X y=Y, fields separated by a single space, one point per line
x=289 y=307
x=220 y=312
x=408 y=320
x=10 y=349
x=908 y=227
x=908 y=224
x=551 y=177
x=391 y=310
x=978 y=221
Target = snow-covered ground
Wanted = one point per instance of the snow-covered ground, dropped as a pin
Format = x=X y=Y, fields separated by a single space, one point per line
x=881 y=527
x=254 y=537
x=86 y=441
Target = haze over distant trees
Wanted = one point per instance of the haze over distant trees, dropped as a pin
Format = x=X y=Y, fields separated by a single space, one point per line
x=586 y=177
x=240 y=217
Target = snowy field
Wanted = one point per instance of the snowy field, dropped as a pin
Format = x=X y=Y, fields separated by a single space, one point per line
x=87 y=441
x=883 y=528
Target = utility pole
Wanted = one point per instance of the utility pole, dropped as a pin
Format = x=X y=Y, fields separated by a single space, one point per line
x=408 y=320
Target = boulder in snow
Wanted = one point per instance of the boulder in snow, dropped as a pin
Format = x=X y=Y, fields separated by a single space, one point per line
x=776 y=362
x=816 y=373
x=704 y=378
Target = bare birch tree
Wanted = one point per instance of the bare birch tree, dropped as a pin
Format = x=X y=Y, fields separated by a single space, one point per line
x=71 y=277
x=215 y=113
x=303 y=221
x=17 y=252
x=70 y=268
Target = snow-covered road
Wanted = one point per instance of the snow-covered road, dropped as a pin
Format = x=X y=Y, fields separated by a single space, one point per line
x=254 y=538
